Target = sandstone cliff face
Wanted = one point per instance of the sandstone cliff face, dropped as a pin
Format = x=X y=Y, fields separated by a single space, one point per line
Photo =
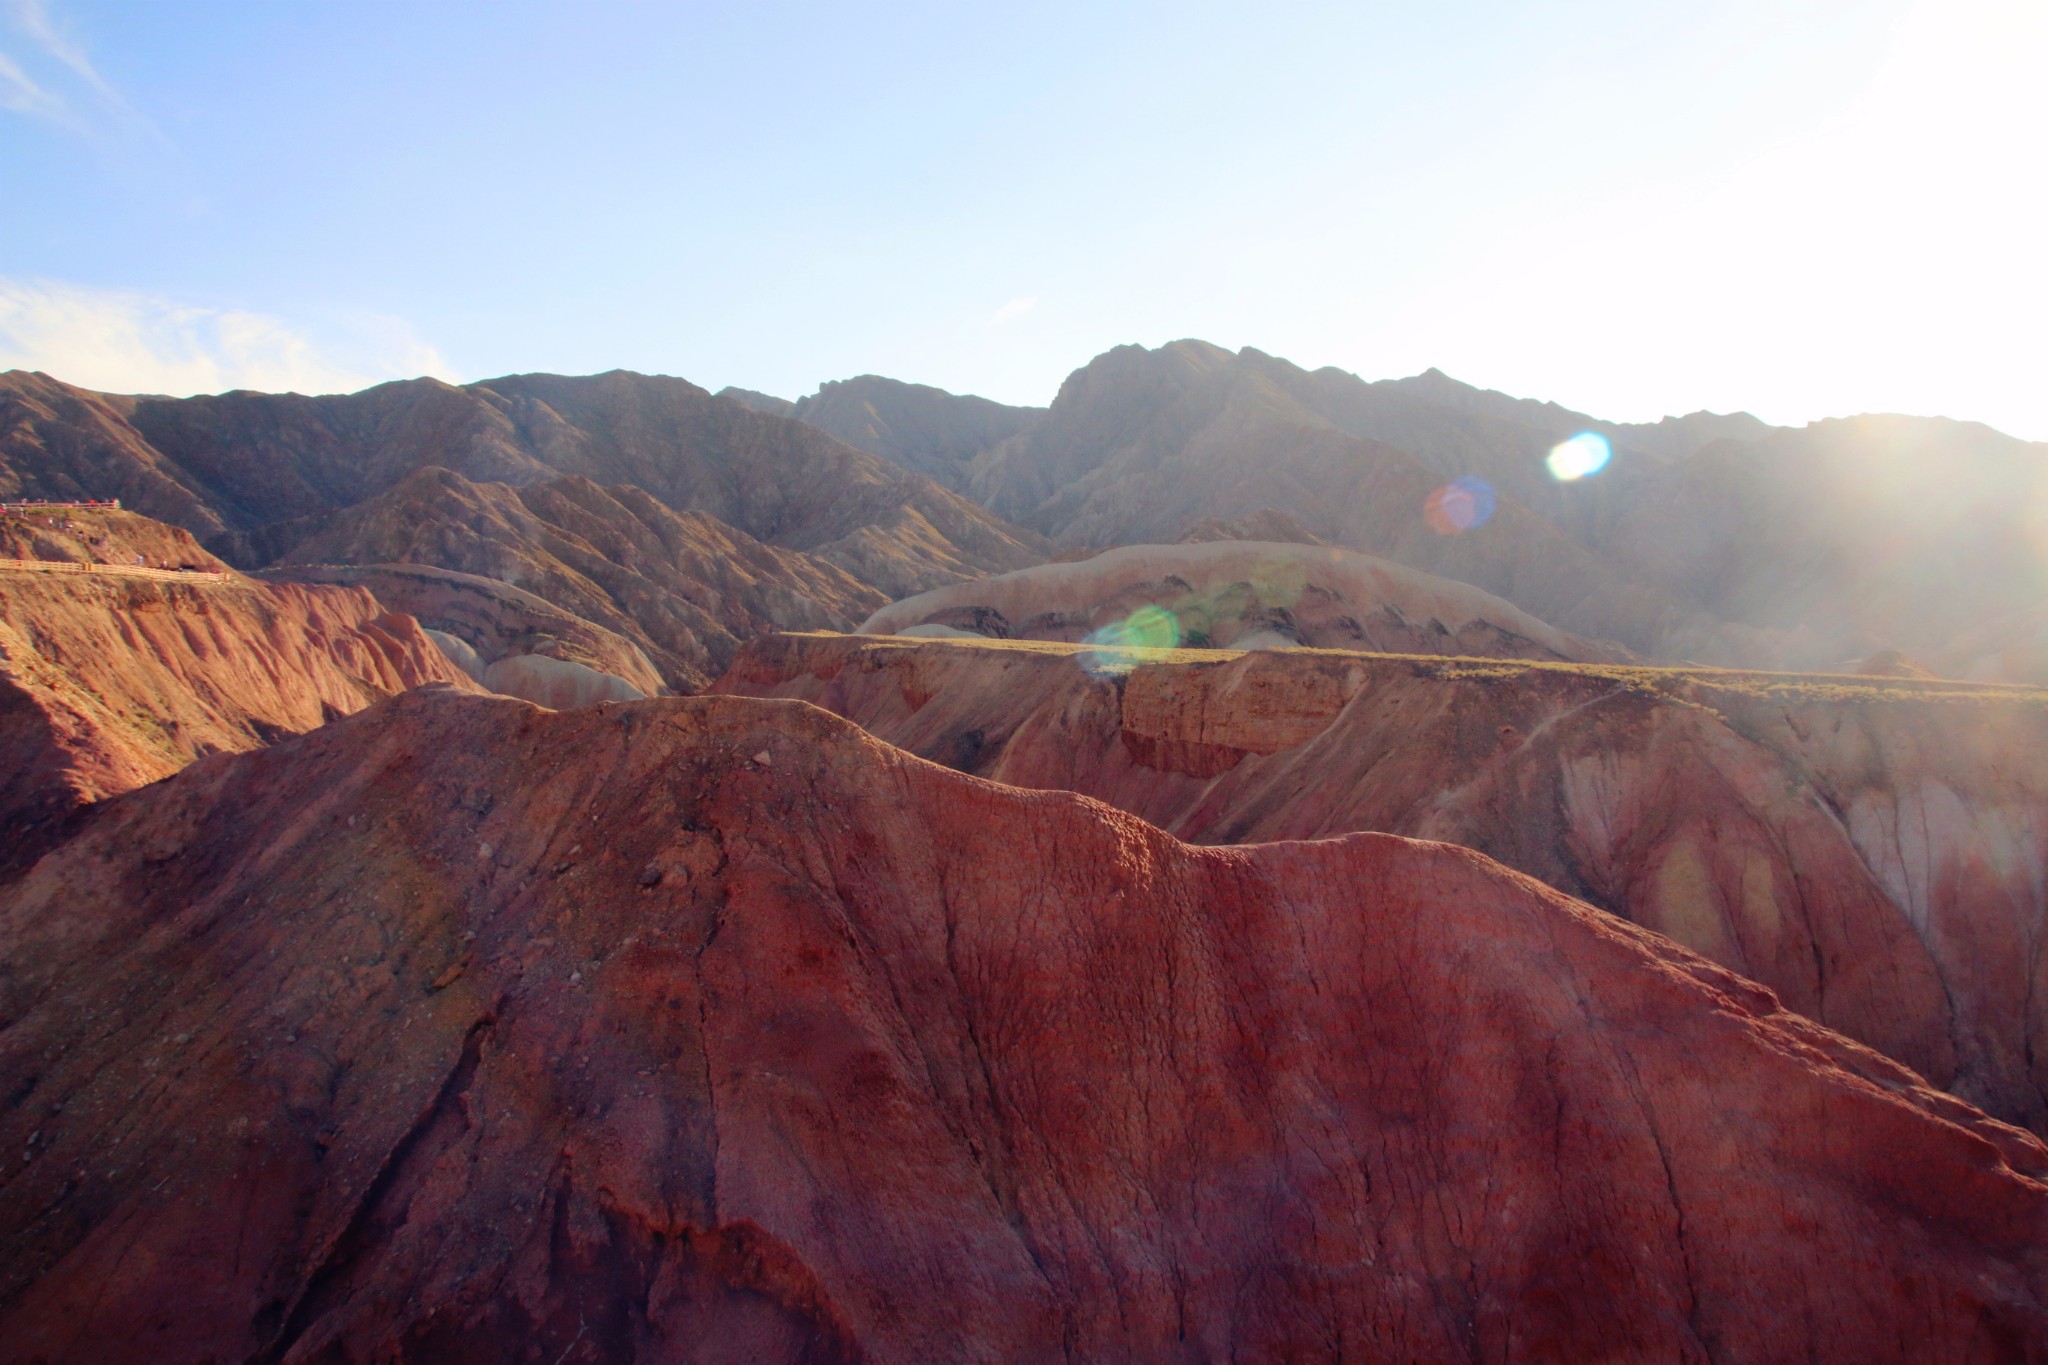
x=1869 y=850
x=713 y=1029
x=109 y=681
x=1243 y=593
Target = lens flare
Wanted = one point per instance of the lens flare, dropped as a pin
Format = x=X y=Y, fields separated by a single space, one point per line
x=1148 y=627
x=1585 y=453
x=1458 y=506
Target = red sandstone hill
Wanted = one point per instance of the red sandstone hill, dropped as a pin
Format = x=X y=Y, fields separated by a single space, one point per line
x=109 y=680
x=230 y=465
x=713 y=1029
x=684 y=587
x=1870 y=849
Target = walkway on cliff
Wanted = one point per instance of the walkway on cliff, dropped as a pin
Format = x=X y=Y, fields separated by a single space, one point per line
x=124 y=570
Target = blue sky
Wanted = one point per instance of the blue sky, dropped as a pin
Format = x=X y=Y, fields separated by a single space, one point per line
x=1803 y=208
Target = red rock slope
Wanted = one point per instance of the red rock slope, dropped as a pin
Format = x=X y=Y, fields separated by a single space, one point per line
x=110 y=680
x=712 y=1029
x=1870 y=849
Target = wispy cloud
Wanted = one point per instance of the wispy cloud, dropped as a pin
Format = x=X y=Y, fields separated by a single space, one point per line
x=123 y=341
x=1014 y=309
x=53 y=77
x=21 y=94
x=33 y=18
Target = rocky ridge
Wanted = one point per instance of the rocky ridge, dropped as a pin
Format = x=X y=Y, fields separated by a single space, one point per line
x=1869 y=849
x=712 y=1028
x=1707 y=537
x=936 y=433
x=228 y=467
x=1140 y=444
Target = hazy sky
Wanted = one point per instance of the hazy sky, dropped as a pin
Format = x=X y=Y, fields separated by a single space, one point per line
x=1802 y=207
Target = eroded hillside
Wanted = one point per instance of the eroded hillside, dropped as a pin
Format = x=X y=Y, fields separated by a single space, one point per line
x=714 y=1028
x=112 y=677
x=1870 y=849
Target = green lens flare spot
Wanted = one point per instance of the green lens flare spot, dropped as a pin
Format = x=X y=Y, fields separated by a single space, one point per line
x=1151 y=628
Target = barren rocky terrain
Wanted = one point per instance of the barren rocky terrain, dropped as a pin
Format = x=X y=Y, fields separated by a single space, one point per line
x=109 y=680
x=1710 y=537
x=258 y=476
x=684 y=588
x=713 y=1029
x=1279 y=878
x=1871 y=850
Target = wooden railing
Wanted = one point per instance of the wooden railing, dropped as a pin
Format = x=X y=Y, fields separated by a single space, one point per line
x=130 y=570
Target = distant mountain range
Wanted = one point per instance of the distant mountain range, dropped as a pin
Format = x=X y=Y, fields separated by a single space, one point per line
x=1714 y=538
x=670 y=519
x=1707 y=538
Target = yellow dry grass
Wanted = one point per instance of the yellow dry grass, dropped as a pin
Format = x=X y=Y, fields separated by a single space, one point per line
x=1686 y=681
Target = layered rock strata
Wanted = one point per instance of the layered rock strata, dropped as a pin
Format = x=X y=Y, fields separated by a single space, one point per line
x=714 y=1029
x=232 y=468
x=1868 y=848
x=682 y=588
x=109 y=680
x=480 y=622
